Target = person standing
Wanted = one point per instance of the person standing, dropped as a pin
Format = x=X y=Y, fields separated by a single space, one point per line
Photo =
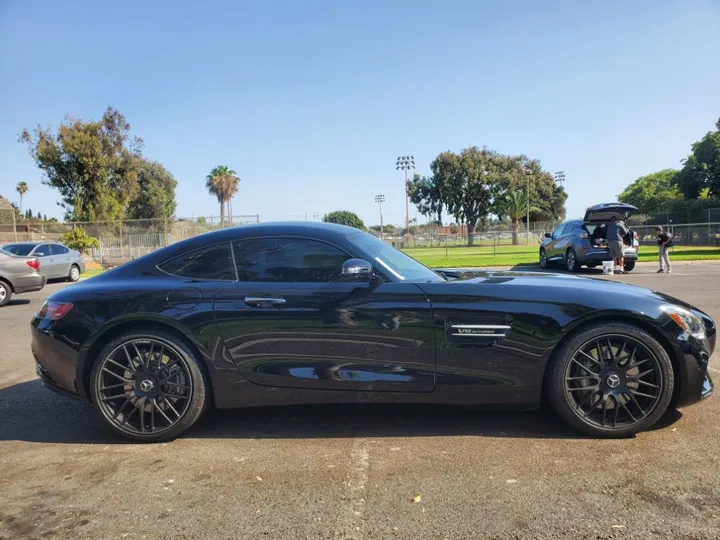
x=616 y=232
x=663 y=241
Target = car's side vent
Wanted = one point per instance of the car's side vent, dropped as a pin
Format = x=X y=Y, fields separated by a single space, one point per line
x=493 y=280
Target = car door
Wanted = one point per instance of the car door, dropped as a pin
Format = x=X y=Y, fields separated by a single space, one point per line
x=47 y=260
x=290 y=321
x=551 y=248
x=61 y=259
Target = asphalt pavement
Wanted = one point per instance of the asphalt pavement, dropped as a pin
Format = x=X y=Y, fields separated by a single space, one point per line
x=354 y=472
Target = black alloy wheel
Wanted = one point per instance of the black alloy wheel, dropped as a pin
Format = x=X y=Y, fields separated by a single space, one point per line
x=148 y=387
x=612 y=381
x=543 y=258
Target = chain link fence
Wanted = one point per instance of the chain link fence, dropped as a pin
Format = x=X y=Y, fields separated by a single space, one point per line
x=123 y=240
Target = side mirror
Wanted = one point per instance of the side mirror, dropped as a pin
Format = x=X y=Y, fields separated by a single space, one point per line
x=356 y=270
x=548 y=235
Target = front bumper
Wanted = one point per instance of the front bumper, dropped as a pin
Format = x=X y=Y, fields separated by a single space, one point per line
x=29 y=283
x=695 y=382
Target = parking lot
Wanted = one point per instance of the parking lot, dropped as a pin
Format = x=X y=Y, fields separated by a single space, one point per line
x=354 y=471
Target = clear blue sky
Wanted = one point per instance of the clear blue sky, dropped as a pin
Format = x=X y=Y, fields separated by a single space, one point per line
x=312 y=101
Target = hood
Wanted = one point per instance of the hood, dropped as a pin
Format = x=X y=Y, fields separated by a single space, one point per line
x=606 y=211
x=538 y=280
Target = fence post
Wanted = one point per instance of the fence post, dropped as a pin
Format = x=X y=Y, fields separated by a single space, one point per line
x=165 y=230
x=446 y=246
x=494 y=244
x=709 y=229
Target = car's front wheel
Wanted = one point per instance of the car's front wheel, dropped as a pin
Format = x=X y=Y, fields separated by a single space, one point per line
x=543 y=258
x=611 y=381
x=149 y=386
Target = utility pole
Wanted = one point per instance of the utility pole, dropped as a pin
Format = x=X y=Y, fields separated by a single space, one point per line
x=405 y=163
x=380 y=199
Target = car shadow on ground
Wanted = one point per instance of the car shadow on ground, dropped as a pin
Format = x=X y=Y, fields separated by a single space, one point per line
x=29 y=412
x=17 y=302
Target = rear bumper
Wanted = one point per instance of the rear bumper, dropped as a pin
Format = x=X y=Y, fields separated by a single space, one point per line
x=55 y=362
x=28 y=283
x=598 y=255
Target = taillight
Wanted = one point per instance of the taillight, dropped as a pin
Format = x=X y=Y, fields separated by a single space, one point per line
x=33 y=263
x=54 y=310
x=584 y=236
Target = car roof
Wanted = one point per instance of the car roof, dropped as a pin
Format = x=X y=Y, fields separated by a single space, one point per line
x=329 y=232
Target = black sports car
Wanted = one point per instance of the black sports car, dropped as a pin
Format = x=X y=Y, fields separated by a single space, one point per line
x=315 y=313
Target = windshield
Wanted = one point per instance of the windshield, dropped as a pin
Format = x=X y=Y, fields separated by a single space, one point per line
x=19 y=249
x=391 y=260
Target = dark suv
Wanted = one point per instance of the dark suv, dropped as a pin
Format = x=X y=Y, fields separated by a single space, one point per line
x=583 y=242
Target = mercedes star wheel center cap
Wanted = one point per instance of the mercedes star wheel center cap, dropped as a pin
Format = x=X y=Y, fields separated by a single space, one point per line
x=613 y=381
x=148 y=385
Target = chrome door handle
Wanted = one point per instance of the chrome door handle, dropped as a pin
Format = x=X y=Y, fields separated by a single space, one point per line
x=260 y=301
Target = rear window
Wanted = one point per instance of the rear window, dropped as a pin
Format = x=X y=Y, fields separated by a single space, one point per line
x=19 y=249
x=212 y=263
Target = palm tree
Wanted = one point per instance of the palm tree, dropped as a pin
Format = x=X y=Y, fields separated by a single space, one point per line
x=22 y=188
x=223 y=183
x=515 y=205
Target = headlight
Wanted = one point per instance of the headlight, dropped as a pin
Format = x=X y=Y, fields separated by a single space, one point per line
x=688 y=321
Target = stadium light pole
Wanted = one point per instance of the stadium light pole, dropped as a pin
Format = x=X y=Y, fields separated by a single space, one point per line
x=405 y=163
x=560 y=177
x=380 y=199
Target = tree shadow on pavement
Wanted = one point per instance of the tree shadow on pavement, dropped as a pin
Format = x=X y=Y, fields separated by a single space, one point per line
x=30 y=412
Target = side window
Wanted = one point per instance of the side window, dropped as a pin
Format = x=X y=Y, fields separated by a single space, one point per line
x=557 y=232
x=287 y=260
x=42 y=251
x=212 y=263
x=569 y=228
x=56 y=249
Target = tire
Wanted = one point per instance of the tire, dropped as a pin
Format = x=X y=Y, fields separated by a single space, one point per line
x=638 y=405
x=543 y=258
x=571 y=261
x=74 y=274
x=5 y=293
x=174 y=398
x=629 y=266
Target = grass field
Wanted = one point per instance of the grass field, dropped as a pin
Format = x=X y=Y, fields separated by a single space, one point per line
x=527 y=255
x=91 y=272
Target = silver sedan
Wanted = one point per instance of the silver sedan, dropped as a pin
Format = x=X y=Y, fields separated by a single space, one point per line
x=56 y=261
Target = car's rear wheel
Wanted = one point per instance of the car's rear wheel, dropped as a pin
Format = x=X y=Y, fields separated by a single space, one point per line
x=629 y=266
x=5 y=293
x=74 y=274
x=543 y=258
x=571 y=261
x=149 y=387
x=611 y=381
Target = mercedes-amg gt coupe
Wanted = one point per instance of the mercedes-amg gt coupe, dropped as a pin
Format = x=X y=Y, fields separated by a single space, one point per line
x=301 y=313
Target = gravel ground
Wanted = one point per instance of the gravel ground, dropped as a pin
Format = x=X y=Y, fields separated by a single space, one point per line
x=354 y=472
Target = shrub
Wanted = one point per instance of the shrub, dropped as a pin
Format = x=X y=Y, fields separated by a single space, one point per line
x=79 y=240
